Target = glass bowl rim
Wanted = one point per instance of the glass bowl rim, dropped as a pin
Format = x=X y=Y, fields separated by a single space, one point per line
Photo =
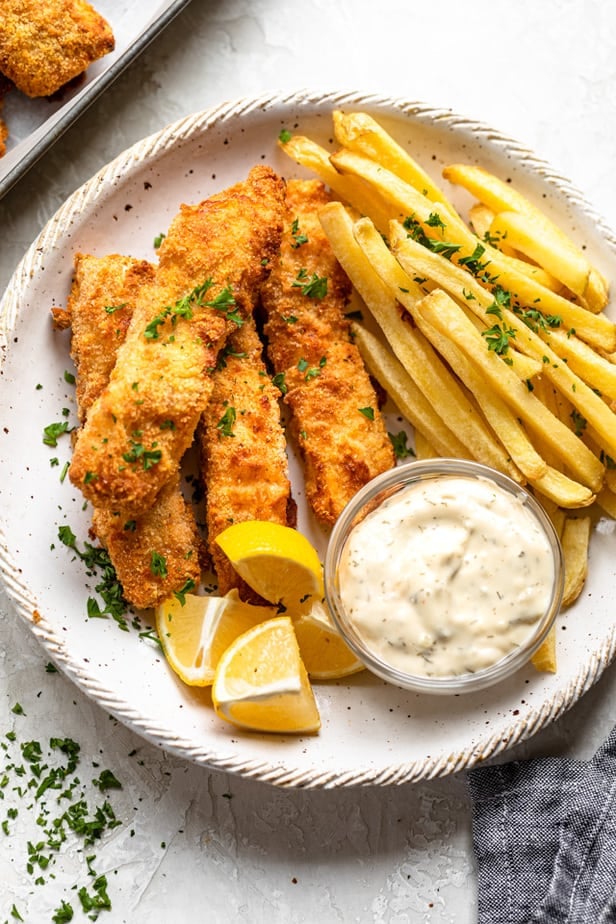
x=397 y=478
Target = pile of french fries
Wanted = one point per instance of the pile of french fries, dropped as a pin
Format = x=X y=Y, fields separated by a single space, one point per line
x=493 y=342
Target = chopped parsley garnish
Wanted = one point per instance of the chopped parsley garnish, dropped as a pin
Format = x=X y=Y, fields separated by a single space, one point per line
x=158 y=565
x=159 y=239
x=498 y=338
x=313 y=287
x=111 y=309
x=434 y=220
x=298 y=237
x=579 y=422
x=536 y=320
x=147 y=457
x=225 y=424
x=502 y=300
x=285 y=136
x=97 y=560
x=399 y=443
x=53 y=431
x=186 y=588
x=183 y=308
x=367 y=412
x=69 y=377
x=279 y=382
x=44 y=786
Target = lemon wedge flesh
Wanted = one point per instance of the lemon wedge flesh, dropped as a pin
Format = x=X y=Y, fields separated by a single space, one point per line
x=276 y=561
x=261 y=683
x=194 y=635
x=325 y=654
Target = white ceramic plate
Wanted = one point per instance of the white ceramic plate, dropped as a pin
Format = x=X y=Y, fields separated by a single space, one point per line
x=372 y=733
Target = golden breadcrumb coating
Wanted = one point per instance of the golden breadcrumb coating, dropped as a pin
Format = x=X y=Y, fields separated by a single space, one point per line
x=243 y=448
x=45 y=43
x=155 y=554
x=335 y=414
x=100 y=307
x=159 y=552
x=211 y=265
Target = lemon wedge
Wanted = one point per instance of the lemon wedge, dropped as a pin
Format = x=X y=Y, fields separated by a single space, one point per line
x=194 y=635
x=261 y=683
x=325 y=654
x=276 y=561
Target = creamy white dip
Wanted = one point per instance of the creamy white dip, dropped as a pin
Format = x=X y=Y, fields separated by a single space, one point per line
x=446 y=576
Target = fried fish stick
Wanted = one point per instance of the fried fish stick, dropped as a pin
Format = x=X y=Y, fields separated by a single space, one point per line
x=161 y=551
x=156 y=554
x=243 y=448
x=100 y=307
x=44 y=45
x=211 y=265
x=335 y=416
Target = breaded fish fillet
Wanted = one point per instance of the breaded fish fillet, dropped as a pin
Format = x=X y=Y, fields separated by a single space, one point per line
x=100 y=307
x=157 y=553
x=45 y=43
x=335 y=414
x=211 y=265
x=243 y=447
x=161 y=551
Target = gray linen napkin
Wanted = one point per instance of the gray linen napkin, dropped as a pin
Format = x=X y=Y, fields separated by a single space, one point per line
x=544 y=835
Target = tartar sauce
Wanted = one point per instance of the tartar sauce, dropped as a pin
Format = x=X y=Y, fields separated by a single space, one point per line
x=446 y=576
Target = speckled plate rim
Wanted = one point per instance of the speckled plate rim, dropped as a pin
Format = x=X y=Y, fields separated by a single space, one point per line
x=280 y=773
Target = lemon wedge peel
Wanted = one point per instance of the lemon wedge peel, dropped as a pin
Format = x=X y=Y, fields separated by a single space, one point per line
x=195 y=634
x=324 y=652
x=277 y=562
x=261 y=683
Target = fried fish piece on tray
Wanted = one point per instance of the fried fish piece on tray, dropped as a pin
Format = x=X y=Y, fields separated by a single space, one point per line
x=243 y=448
x=335 y=416
x=211 y=265
x=45 y=43
x=161 y=551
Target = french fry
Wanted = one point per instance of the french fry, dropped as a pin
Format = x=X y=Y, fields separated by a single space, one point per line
x=423 y=448
x=417 y=355
x=438 y=220
x=360 y=133
x=417 y=259
x=606 y=499
x=544 y=659
x=406 y=395
x=385 y=368
x=501 y=197
x=449 y=318
x=575 y=542
x=527 y=236
x=505 y=424
x=363 y=198
x=596 y=371
x=557 y=487
x=481 y=219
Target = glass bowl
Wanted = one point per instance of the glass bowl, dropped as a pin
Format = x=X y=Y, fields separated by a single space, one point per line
x=443 y=655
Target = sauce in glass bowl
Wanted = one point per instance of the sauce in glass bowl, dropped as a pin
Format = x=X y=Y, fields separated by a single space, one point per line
x=443 y=570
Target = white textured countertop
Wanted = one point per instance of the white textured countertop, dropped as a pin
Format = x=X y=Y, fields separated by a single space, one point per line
x=205 y=845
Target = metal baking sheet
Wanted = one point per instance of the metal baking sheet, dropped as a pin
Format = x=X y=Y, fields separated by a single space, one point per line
x=35 y=124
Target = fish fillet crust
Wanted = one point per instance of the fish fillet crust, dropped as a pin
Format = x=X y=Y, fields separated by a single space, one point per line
x=45 y=43
x=335 y=416
x=243 y=448
x=161 y=551
x=211 y=265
